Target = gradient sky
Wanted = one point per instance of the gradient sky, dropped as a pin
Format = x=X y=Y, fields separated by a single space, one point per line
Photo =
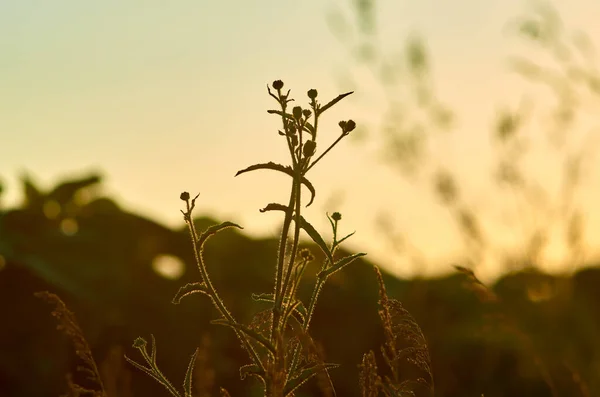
x=163 y=97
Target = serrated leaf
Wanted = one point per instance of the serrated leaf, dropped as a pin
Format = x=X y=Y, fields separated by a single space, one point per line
x=305 y=374
x=188 y=289
x=308 y=126
x=187 y=382
x=281 y=168
x=340 y=264
x=214 y=230
x=333 y=102
x=249 y=332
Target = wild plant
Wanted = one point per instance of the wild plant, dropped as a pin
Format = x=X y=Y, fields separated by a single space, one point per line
x=282 y=354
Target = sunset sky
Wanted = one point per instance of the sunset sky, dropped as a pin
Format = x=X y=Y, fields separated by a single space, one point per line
x=167 y=96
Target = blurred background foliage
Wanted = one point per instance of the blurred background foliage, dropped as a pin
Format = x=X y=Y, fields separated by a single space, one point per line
x=557 y=129
x=528 y=334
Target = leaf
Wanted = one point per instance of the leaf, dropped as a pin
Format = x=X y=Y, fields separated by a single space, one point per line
x=305 y=374
x=308 y=228
x=316 y=237
x=307 y=125
x=155 y=374
x=247 y=331
x=286 y=170
x=342 y=240
x=187 y=382
x=275 y=207
x=339 y=265
x=146 y=370
x=251 y=370
x=333 y=102
x=214 y=230
x=188 y=289
x=153 y=351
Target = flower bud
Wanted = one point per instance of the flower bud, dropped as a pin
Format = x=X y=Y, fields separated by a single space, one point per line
x=185 y=196
x=336 y=216
x=278 y=84
x=309 y=148
x=312 y=93
x=297 y=112
x=306 y=255
x=350 y=125
x=139 y=343
x=306 y=113
x=347 y=126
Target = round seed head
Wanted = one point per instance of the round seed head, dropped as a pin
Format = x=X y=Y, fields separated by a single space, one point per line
x=312 y=93
x=336 y=216
x=185 y=196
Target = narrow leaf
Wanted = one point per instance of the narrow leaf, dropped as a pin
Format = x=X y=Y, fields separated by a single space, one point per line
x=340 y=241
x=153 y=350
x=156 y=375
x=148 y=371
x=292 y=308
x=333 y=102
x=214 y=230
x=275 y=207
x=339 y=265
x=316 y=237
x=310 y=230
x=187 y=382
x=305 y=374
x=247 y=331
x=188 y=289
x=286 y=170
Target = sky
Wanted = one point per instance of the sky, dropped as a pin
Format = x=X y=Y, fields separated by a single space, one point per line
x=162 y=97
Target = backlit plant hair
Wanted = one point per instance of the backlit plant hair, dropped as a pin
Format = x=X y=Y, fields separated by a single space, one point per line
x=282 y=354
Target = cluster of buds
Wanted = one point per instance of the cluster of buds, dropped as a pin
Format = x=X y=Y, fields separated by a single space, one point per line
x=297 y=122
x=347 y=126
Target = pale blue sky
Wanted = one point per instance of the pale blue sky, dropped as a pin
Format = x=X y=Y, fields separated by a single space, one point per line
x=170 y=96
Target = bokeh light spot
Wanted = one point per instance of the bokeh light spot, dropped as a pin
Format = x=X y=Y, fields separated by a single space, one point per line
x=51 y=209
x=168 y=266
x=69 y=226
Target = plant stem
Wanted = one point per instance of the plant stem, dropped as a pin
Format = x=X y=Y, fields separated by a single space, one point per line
x=214 y=296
